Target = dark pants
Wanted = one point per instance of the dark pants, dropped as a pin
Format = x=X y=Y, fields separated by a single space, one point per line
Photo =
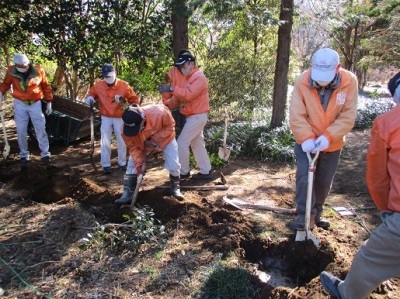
x=326 y=166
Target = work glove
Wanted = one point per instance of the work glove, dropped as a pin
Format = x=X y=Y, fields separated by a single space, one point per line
x=151 y=144
x=308 y=146
x=321 y=144
x=89 y=100
x=49 y=109
x=118 y=99
x=1 y=97
x=165 y=88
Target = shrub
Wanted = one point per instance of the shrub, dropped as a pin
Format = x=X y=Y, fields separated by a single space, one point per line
x=129 y=235
x=369 y=111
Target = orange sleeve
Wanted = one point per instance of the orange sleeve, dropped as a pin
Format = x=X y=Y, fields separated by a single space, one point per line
x=377 y=176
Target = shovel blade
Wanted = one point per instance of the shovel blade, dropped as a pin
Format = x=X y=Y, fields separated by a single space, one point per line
x=6 y=151
x=224 y=153
x=302 y=235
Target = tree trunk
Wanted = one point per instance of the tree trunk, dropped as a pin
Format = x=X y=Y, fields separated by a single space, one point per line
x=282 y=64
x=180 y=27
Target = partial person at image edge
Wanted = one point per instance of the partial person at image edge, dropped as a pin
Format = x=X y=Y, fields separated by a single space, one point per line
x=378 y=258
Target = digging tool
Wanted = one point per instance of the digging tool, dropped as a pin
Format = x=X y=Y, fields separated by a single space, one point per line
x=307 y=234
x=140 y=176
x=224 y=152
x=6 y=150
x=92 y=136
x=242 y=205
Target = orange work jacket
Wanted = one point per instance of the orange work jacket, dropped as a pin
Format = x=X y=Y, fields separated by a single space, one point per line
x=383 y=161
x=159 y=126
x=309 y=120
x=108 y=106
x=190 y=93
x=34 y=88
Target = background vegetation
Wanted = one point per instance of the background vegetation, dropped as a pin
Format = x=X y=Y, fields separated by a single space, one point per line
x=235 y=43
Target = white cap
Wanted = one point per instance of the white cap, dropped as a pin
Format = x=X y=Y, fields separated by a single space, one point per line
x=21 y=59
x=324 y=63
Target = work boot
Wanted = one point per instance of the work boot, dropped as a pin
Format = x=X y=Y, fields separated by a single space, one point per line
x=330 y=284
x=174 y=187
x=322 y=222
x=107 y=170
x=185 y=176
x=24 y=163
x=298 y=223
x=46 y=160
x=202 y=176
x=130 y=181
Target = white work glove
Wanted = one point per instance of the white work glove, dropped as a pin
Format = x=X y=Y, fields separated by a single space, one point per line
x=308 y=146
x=321 y=144
x=1 y=97
x=118 y=99
x=48 y=108
x=89 y=100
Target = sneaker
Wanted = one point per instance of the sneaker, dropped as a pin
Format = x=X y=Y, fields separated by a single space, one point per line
x=202 y=176
x=322 y=222
x=122 y=167
x=330 y=284
x=298 y=223
x=106 y=170
x=185 y=176
x=46 y=159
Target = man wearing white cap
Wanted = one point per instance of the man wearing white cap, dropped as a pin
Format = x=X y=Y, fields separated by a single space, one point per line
x=29 y=86
x=111 y=93
x=322 y=111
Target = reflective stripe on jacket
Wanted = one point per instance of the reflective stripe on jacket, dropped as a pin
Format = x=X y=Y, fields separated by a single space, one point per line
x=160 y=126
x=190 y=93
x=308 y=119
x=383 y=161
x=106 y=97
x=34 y=88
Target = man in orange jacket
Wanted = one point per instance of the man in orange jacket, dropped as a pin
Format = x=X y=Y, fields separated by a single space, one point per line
x=111 y=93
x=378 y=258
x=322 y=111
x=149 y=129
x=188 y=90
x=29 y=86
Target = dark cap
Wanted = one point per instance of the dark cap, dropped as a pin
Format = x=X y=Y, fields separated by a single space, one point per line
x=393 y=83
x=183 y=58
x=132 y=118
x=107 y=68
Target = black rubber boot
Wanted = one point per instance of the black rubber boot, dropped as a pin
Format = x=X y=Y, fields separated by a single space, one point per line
x=130 y=181
x=174 y=187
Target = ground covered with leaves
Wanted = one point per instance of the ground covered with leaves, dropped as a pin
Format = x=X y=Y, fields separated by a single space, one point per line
x=62 y=236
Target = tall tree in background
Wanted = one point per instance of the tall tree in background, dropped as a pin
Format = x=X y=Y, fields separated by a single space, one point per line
x=180 y=28
x=282 y=64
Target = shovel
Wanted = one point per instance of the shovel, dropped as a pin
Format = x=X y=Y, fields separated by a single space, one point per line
x=6 y=150
x=307 y=234
x=224 y=152
x=92 y=136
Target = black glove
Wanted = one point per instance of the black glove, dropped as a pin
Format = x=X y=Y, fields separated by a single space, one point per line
x=165 y=88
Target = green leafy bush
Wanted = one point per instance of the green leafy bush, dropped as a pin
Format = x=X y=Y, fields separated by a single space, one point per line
x=129 y=235
x=254 y=140
x=369 y=111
